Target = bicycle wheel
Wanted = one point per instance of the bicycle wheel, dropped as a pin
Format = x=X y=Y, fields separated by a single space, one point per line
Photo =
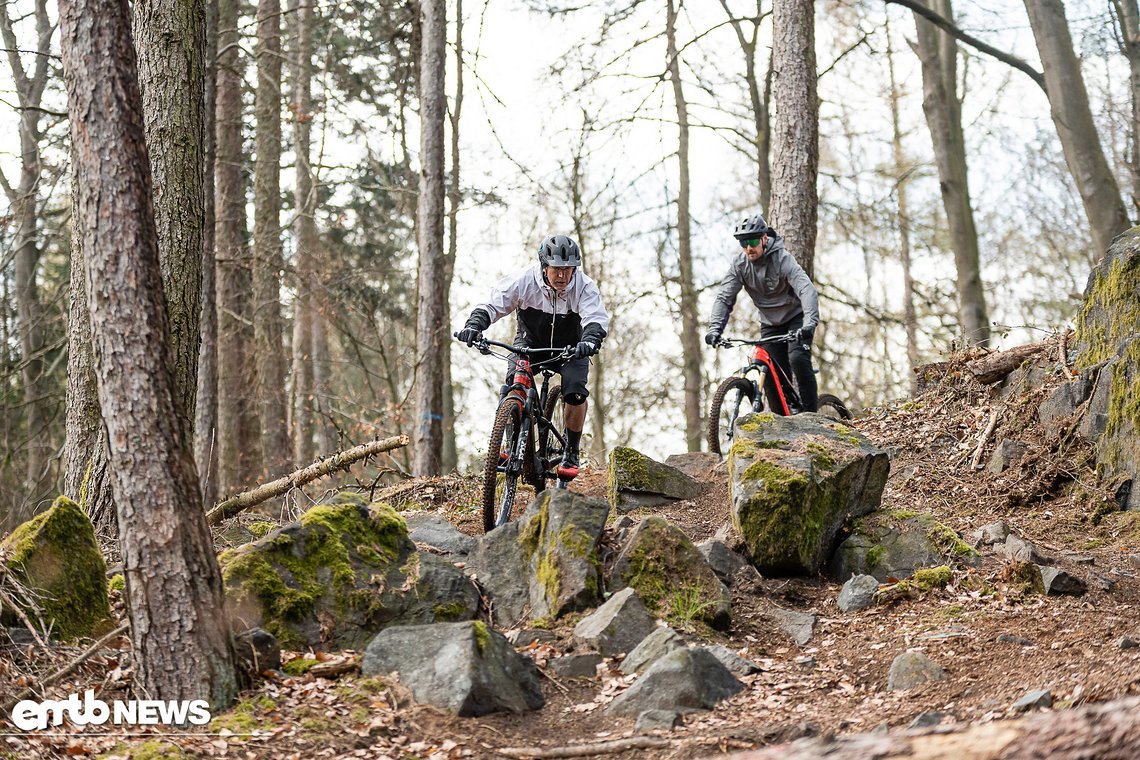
x=501 y=447
x=832 y=407
x=543 y=451
x=732 y=396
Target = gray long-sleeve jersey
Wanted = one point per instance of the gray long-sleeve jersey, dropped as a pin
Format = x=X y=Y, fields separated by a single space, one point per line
x=778 y=286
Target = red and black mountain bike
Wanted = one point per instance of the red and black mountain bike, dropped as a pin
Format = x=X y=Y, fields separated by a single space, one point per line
x=526 y=439
x=740 y=393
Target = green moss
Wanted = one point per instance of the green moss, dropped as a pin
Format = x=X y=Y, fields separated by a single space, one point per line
x=660 y=567
x=482 y=636
x=246 y=716
x=1023 y=579
x=902 y=514
x=875 y=556
x=446 y=613
x=56 y=554
x=262 y=528
x=631 y=465
x=152 y=749
x=756 y=422
x=821 y=456
x=1113 y=292
x=117 y=583
x=777 y=510
x=929 y=578
x=543 y=551
x=1093 y=543
x=299 y=666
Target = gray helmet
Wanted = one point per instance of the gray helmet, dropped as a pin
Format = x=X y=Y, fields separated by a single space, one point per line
x=559 y=251
x=751 y=227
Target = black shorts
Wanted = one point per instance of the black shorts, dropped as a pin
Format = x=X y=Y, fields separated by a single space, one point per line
x=575 y=374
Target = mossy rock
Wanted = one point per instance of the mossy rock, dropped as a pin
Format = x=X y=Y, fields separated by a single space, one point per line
x=671 y=576
x=339 y=575
x=895 y=544
x=56 y=555
x=634 y=480
x=794 y=482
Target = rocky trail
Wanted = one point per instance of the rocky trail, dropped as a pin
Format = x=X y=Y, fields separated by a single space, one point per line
x=1017 y=634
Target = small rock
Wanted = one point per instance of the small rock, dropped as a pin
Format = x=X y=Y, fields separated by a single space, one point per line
x=807 y=662
x=911 y=669
x=1105 y=583
x=682 y=679
x=928 y=719
x=527 y=636
x=658 y=720
x=438 y=533
x=1010 y=639
x=858 y=592
x=696 y=464
x=583 y=665
x=1034 y=700
x=988 y=535
x=736 y=664
x=1126 y=642
x=617 y=626
x=258 y=650
x=1058 y=582
x=800 y=626
x=661 y=642
x=1006 y=453
x=1018 y=549
x=724 y=561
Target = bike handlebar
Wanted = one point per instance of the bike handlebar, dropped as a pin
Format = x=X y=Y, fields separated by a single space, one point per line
x=483 y=345
x=731 y=342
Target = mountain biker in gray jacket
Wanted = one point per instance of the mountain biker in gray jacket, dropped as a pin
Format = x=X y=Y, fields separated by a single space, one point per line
x=557 y=306
x=785 y=298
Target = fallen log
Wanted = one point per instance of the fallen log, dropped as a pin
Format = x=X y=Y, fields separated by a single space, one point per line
x=338 y=461
x=586 y=750
x=995 y=366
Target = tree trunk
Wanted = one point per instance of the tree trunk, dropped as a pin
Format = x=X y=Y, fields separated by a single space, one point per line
x=690 y=340
x=267 y=254
x=758 y=101
x=902 y=177
x=238 y=432
x=432 y=330
x=1128 y=15
x=182 y=647
x=1080 y=143
x=170 y=36
x=206 y=403
x=450 y=453
x=938 y=53
x=795 y=129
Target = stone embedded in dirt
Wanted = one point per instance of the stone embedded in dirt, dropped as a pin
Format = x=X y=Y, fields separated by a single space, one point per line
x=671 y=576
x=1064 y=401
x=1033 y=700
x=928 y=719
x=912 y=669
x=988 y=535
x=1127 y=642
x=634 y=480
x=617 y=626
x=496 y=564
x=658 y=720
x=55 y=556
x=699 y=465
x=1006 y=638
x=858 y=592
x=466 y=668
x=896 y=544
x=1105 y=583
x=656 y=645
x=684 y=679
x=736 y=664
x=527 y=636
x=726 y=563
x=343 y=572
x=1018 y=549
x=1007 y=453
x=438 y=533
x=794 y=482
x=559 y=537
x=584 y=665
x=799 y=626
x=1058 y=582
x=258 y=650
x=1026 y=378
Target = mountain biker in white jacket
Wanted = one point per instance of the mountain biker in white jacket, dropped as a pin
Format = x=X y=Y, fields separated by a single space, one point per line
x=785 y=298
x=557 y=306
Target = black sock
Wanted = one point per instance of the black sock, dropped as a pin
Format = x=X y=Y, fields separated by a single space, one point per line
x=573 y=438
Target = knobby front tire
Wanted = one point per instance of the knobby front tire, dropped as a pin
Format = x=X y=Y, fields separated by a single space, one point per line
x=832 y=407
x=732 y=395
x=504 y=437
x=538 y=479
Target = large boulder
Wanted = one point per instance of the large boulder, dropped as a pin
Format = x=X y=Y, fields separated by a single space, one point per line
x=497 y=563
x=339 y=575
x=560 y=542
x=794 y=482
x=684 y=679
x=466 y=668
x=617 y=626
x=671 y=575
x=56 y=556
x=634 y=480
x=1108 y=339
x=889 y=544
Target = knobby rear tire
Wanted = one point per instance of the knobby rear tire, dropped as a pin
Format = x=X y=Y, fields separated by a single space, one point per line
x=729 y=384
x=832 y=406
x=542 y=450
x=506 y=428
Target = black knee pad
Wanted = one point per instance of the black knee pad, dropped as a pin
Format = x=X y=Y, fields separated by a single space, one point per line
x=574 y=399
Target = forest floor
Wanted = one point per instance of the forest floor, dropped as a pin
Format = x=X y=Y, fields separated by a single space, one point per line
x=994 y=646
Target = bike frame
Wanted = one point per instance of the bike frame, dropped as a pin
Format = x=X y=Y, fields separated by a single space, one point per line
x=763 y=364
x=531 y=404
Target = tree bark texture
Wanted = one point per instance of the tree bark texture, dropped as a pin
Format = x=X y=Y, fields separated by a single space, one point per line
x=1080 y=143
x=938 y=53
x=183 y=650
x=757 y=99
x=690 y=339
x=1128 y=16
x=206 y=404
x=795 y=129
x=267 y=254
x=170 y=36
x=238 y=431
x=450 y=455
x=432 y=330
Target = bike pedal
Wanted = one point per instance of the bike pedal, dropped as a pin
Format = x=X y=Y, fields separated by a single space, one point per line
x=504 y=456
x=567 y=473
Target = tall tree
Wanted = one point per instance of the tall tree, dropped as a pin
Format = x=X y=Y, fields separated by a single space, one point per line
x=182 y=647
x=690 y=339
x=267 y=254
x=450 y=453
x=795 y=129
x=30 y=83
x=431 y=328
x=238 y=431
x=1069 y=103
x=938 y=52
x=1127 y=13
x=757 y=99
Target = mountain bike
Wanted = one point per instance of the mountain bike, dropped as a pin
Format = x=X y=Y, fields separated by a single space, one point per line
x=526 y=438
x=740 y=388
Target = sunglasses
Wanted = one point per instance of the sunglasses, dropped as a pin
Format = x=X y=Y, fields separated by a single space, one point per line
x=750 y=243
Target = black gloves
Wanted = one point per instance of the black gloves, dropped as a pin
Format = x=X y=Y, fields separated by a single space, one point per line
x=712 y=337
x=585 y=348
x=804 y=335
x=472 y=331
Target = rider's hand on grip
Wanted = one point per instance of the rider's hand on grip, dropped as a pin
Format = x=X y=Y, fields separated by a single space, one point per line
x=712 y=337
x=469 y=335
x=584 y=349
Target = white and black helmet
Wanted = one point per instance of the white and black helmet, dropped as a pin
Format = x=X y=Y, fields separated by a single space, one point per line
x=559 y=251
x=750 y=227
